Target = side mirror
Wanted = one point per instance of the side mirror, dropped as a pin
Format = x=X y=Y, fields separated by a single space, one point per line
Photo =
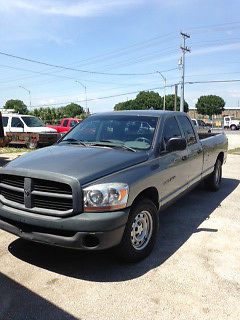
x=176 y=144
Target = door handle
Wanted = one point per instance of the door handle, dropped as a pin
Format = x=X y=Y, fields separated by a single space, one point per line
x=184 y=158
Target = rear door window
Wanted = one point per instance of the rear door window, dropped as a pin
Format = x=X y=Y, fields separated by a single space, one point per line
x=5 y=121
x=187 y=129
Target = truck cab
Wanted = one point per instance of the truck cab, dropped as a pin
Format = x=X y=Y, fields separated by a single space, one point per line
x=66 y=125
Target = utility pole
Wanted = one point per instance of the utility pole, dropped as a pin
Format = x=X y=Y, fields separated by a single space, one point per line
x=165 y=83
x=184 y=49
x=175 y=96
x=29 y=92
x=85 y=89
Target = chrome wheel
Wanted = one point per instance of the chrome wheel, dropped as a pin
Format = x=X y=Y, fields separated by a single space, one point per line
x=141 y=230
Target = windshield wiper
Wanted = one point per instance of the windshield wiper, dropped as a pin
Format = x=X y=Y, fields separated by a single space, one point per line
x=110 y=144
x=74 y=141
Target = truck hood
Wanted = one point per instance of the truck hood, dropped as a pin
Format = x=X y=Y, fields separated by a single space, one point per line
x=84 y=163
x=41 y=129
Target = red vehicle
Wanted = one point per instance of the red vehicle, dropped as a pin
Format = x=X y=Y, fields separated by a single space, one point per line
x=66 y=124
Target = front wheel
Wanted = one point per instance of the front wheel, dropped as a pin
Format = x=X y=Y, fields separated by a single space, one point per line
x=140 y=233
x=32 y=144
x=214 y=180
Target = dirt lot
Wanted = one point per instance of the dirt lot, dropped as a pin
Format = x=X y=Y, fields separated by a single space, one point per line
x=193 y=272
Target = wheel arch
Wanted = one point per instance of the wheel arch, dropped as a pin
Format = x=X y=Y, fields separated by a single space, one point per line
x=221 y=156
x=150 y=193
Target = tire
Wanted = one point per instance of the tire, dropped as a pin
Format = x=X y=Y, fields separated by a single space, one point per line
x=32 y=145
x=213 y=182
x=143 y=220
x=233 y=127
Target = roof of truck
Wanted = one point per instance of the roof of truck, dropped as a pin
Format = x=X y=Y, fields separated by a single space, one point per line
x=16 y=115
x=150 y=113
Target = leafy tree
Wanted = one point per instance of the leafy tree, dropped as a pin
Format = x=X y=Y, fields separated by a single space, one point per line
x=54 y=115
x=127 y=105
x=150 y=100
x=210 y=105
x=17 y=105
x=72 y=109
x=170 y=98
x=144 y=100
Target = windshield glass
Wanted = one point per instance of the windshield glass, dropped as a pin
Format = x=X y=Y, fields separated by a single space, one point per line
x=33 y=122
x=130 y=131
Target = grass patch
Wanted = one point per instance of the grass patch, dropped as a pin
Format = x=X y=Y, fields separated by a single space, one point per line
x=13 y=150
x=234 y=151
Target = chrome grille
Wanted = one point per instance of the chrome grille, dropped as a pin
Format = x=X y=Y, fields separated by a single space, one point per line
x=33 y=193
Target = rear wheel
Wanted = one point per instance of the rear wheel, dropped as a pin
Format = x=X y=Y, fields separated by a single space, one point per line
x=214 y=180
x=233 y=127
x=140 y=233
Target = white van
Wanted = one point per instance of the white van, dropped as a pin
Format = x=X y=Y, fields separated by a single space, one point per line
x=24 y=123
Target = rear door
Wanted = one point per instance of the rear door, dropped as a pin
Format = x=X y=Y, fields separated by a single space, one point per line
x=17 y=125
x=173 y=166
x=195 y=151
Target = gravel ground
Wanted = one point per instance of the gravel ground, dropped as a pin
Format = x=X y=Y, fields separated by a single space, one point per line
x=193 y=272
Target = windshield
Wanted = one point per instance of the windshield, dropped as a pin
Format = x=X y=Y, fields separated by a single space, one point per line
x=33 y=122
x=134 y=132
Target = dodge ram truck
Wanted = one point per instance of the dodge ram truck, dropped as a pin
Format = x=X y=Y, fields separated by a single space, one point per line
x=103 y=184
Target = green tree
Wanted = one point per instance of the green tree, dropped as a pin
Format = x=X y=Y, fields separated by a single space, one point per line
x=126 y=105
x=210 y=105
x=72 y=109
x=150 y=100
x=170 y=98
x=17 y=105
x=143 y=101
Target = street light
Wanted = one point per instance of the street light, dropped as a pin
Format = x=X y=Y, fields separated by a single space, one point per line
x=29 y=92
x=85 y=89
x=165 y=82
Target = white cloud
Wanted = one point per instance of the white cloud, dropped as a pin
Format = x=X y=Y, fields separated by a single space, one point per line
x=74 y=8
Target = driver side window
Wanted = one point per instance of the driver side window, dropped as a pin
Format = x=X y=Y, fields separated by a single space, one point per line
x=170 y=130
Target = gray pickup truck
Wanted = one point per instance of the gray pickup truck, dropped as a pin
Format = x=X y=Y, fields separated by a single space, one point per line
x=103 y=184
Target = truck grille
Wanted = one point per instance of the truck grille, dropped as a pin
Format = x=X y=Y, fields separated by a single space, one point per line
x=33 y=193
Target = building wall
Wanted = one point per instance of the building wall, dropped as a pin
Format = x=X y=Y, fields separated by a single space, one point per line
x=227 y=112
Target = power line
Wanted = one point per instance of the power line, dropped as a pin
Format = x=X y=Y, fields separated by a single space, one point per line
x=73 y=69
x=134 y=92
x=213 y=81
x=60 y=76
x=103 y=98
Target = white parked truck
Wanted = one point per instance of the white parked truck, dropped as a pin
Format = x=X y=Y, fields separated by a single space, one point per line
x=231 y=123
x=28 y=130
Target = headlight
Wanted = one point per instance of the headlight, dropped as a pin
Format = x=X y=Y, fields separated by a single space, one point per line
x=105 y=197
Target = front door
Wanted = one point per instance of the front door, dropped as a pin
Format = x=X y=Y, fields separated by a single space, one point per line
x=173 y=166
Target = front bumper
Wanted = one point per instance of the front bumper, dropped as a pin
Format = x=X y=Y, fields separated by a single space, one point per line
x=87 y=231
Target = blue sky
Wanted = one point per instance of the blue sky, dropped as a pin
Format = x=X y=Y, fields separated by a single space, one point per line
x=117 y=36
